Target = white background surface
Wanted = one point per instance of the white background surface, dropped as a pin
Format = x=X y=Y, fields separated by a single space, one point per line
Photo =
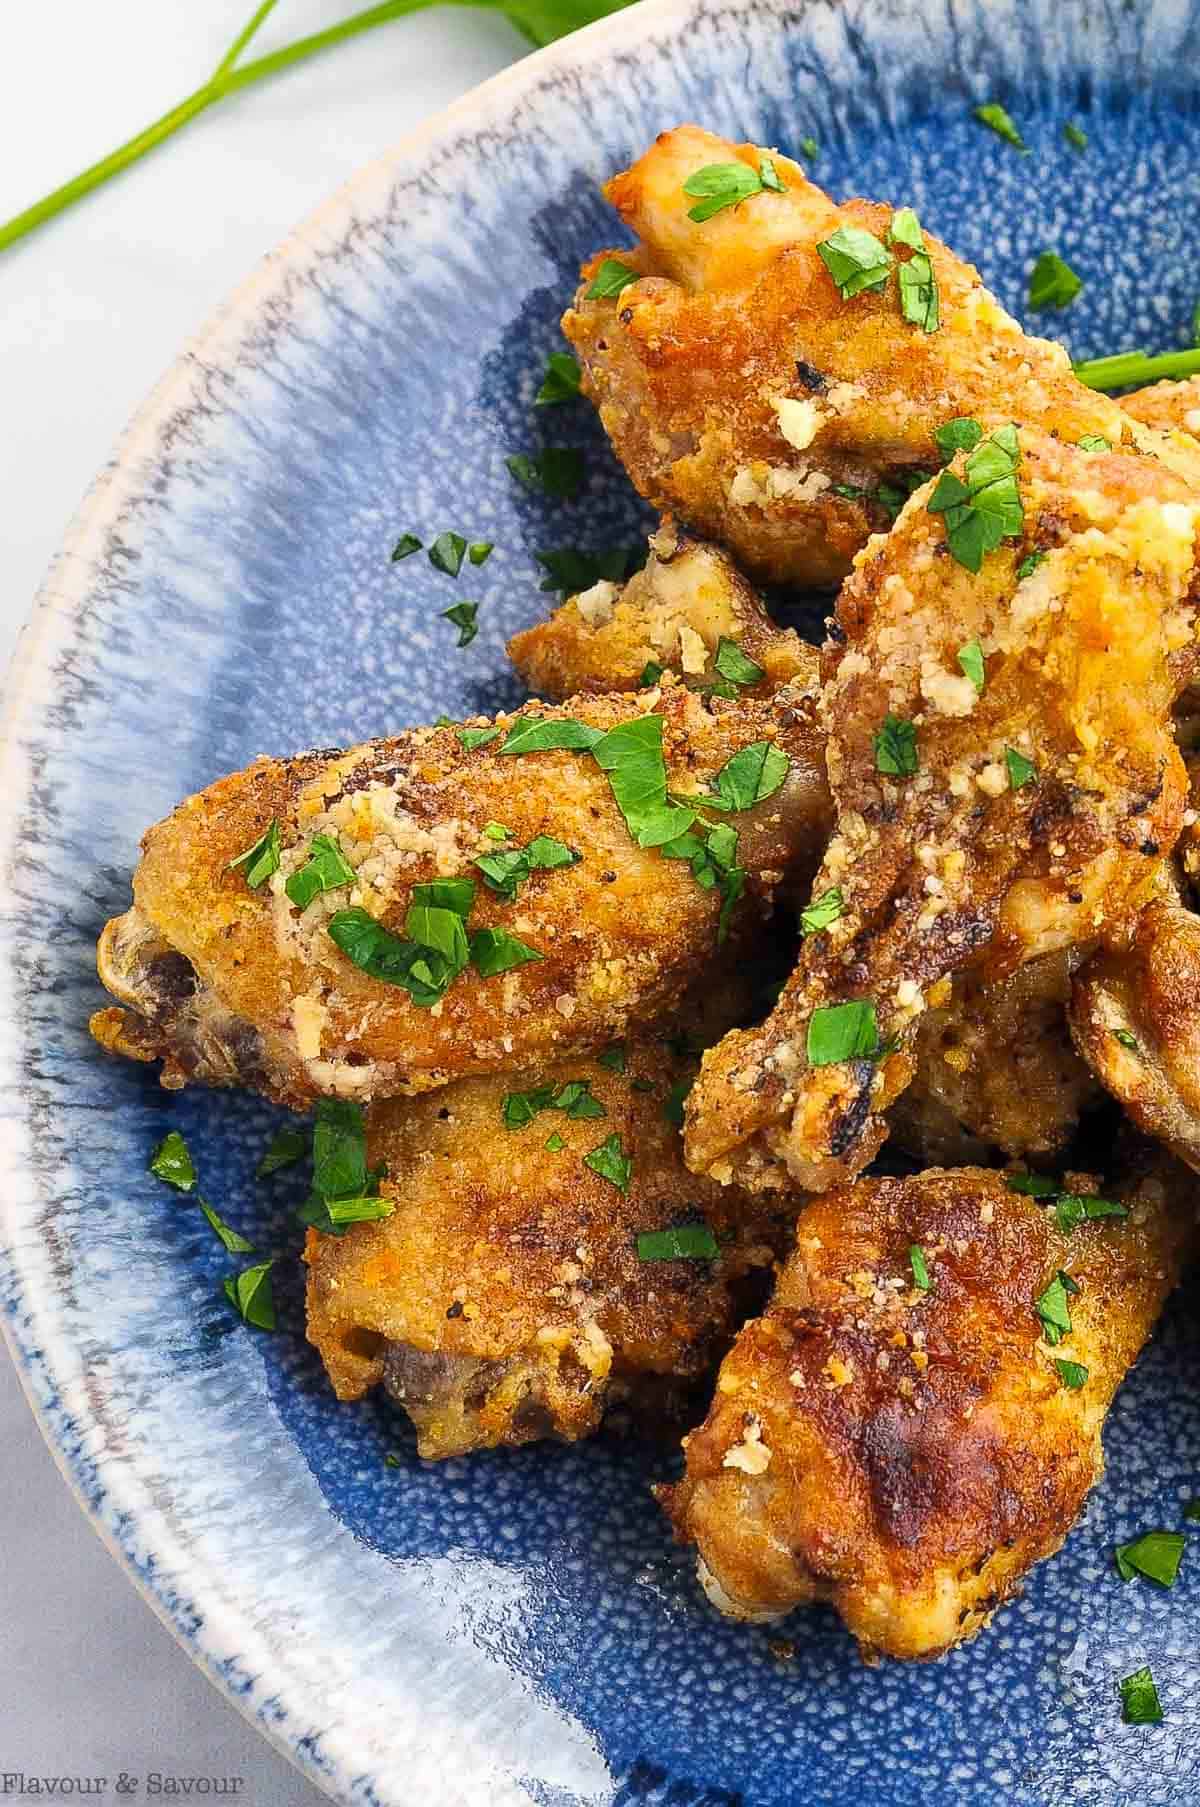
x=93 y=307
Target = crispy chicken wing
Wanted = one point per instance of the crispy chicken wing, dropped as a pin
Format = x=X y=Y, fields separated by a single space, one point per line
x=1136 y=1018
x=673 y=614
x=229 y=984
x=505 y=1300
x=973 y=829
x=1168 y=407
x=744 y=395
x=908 y=1454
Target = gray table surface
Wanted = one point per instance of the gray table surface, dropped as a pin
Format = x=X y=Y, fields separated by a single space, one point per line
x=92 y=309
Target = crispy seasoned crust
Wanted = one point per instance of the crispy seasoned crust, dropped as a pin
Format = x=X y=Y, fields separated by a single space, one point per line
x=908 y=1455
x=1135 y=1015
x=1169 y=407
x=951 y=867
x=269 y=1001
x=744 y=395
x=688 y=597
x=996 y=1070
x=504 y=1299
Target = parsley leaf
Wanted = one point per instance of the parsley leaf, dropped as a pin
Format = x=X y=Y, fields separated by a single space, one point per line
x=405 y=546
x=1072 y=1374
x=1072 y=1209
x=651 y=672
x=339 y=1149
x=1029 y=565
x=495 y=951
x=920 y=1268
x=457 y=894
x=1127 y=1039
x=632 y=755
x=250 y=1295
x=720 y=185
x=287 y=1147
x=1095 y=442
x=998 y=120
x=610 y=279
x=1156 y=1555
x=613 y=1058
x=919 y=291
x=561 y=381
x=479 y=551
x=557 y=469
x=540 y=733
x=1075 y=135
x=970 y=659
x=822 y=912
x=1034 y=1185
x=463 y=615
x=688 y=1242
x=856 y=260
x=506 y=872
x=424 y=972
x=986 y=508
x=1053 y=1308
x=751 y=775
x=258 y=862
x=1140 y=1704
x=472 y=738
x=905 y=229
x=896 y=747
x=576 y=1100
x=520 y=1108
x=809 y=148
x=554 y=1143
x=446 y=553
x=958 y=435
x=611 y=1163
x=570 y=569
x=1052 y=283
x=732 y=663
x=233 y=1240
x=842 y=1032
x=324 y=870
x=1021 y=771
x=172 y=1162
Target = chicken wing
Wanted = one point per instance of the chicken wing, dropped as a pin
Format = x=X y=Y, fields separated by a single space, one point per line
x=672 y=615
x=744 y=395
x=345 y=968
x=1168 y=407
x=508 y=1297
x=982 y=819
x=916 y=1419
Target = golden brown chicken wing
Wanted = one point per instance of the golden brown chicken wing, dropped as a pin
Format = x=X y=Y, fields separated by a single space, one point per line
x=524 y=1283
x=744 y=394
x=1002 y=765
x=916 y=1419
x=672 y=615
x=1168 y=407
x=453 y=900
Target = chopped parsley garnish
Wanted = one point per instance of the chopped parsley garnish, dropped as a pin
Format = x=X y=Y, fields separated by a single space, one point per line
x=632 y=755
x=405 y=546
x=576 y=1100
x=610 y=279
x=613 y=1058
x=506 y=872
x=1126 y=368
x=896 y=747
x=1052 y=283
x=688 y=1242
x=554 y=1144
x=842 y=1032
x=892 y=496
x=997 y=120
x=425 y=971
x=809 y=148
x=539 y=734
x=324 y=870
x=651 y=673
x=751 y=775
x=344 y=1190
x=856 y=260
x=557 y=469
x=257 y=863
x=1075 y=135
x=986 y=507
x=463 y=615
x=479 y=551
x=447 y=553
x=611 y=1163
x=733 y=664
x=1140 y=1704
x=1072 y=1209
x=673 y=1102
x=920 y=1268
x=1053 y=1308
x=1156 y=1555
x=343 y=1211
x=561 y=381
x=918 y=284
x=1072 y=1374
x=1034 y=1185
x=495 y=951
x=1021 y=771
x=520 y=1108
x=472 y=738
x=457 y=894
x=721 y=185
x=233 y=1240
x=1029 y=565
x=1127 y=1039
x=822 y=912
x=970 y=660
x=1095 y=442
x=962 y=434
x=287 y=1147
x=250 y=1295
x=172 y=1162
x=570 y=569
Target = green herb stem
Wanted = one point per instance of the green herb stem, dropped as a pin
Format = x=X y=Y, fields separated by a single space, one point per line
x=1126 y=368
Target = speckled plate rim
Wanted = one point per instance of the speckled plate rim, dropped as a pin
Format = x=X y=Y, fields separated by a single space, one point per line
x=58 y=610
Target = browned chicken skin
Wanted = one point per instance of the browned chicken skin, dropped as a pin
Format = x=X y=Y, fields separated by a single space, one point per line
x=504 y=1300
x=950 y=865
x=745 y=396
x=907 y=1455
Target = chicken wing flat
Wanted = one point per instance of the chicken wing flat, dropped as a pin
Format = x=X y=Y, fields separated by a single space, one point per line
x=508 y=1297
x=996 y=1070
x=452 y=901
x=673 y=615
x=745 y=395
x=916 y=1419
x=1004 y=775
x=1136 y=1018
x=1168 y=407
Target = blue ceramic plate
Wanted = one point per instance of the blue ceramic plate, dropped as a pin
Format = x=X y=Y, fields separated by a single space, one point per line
x=515 y=1628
